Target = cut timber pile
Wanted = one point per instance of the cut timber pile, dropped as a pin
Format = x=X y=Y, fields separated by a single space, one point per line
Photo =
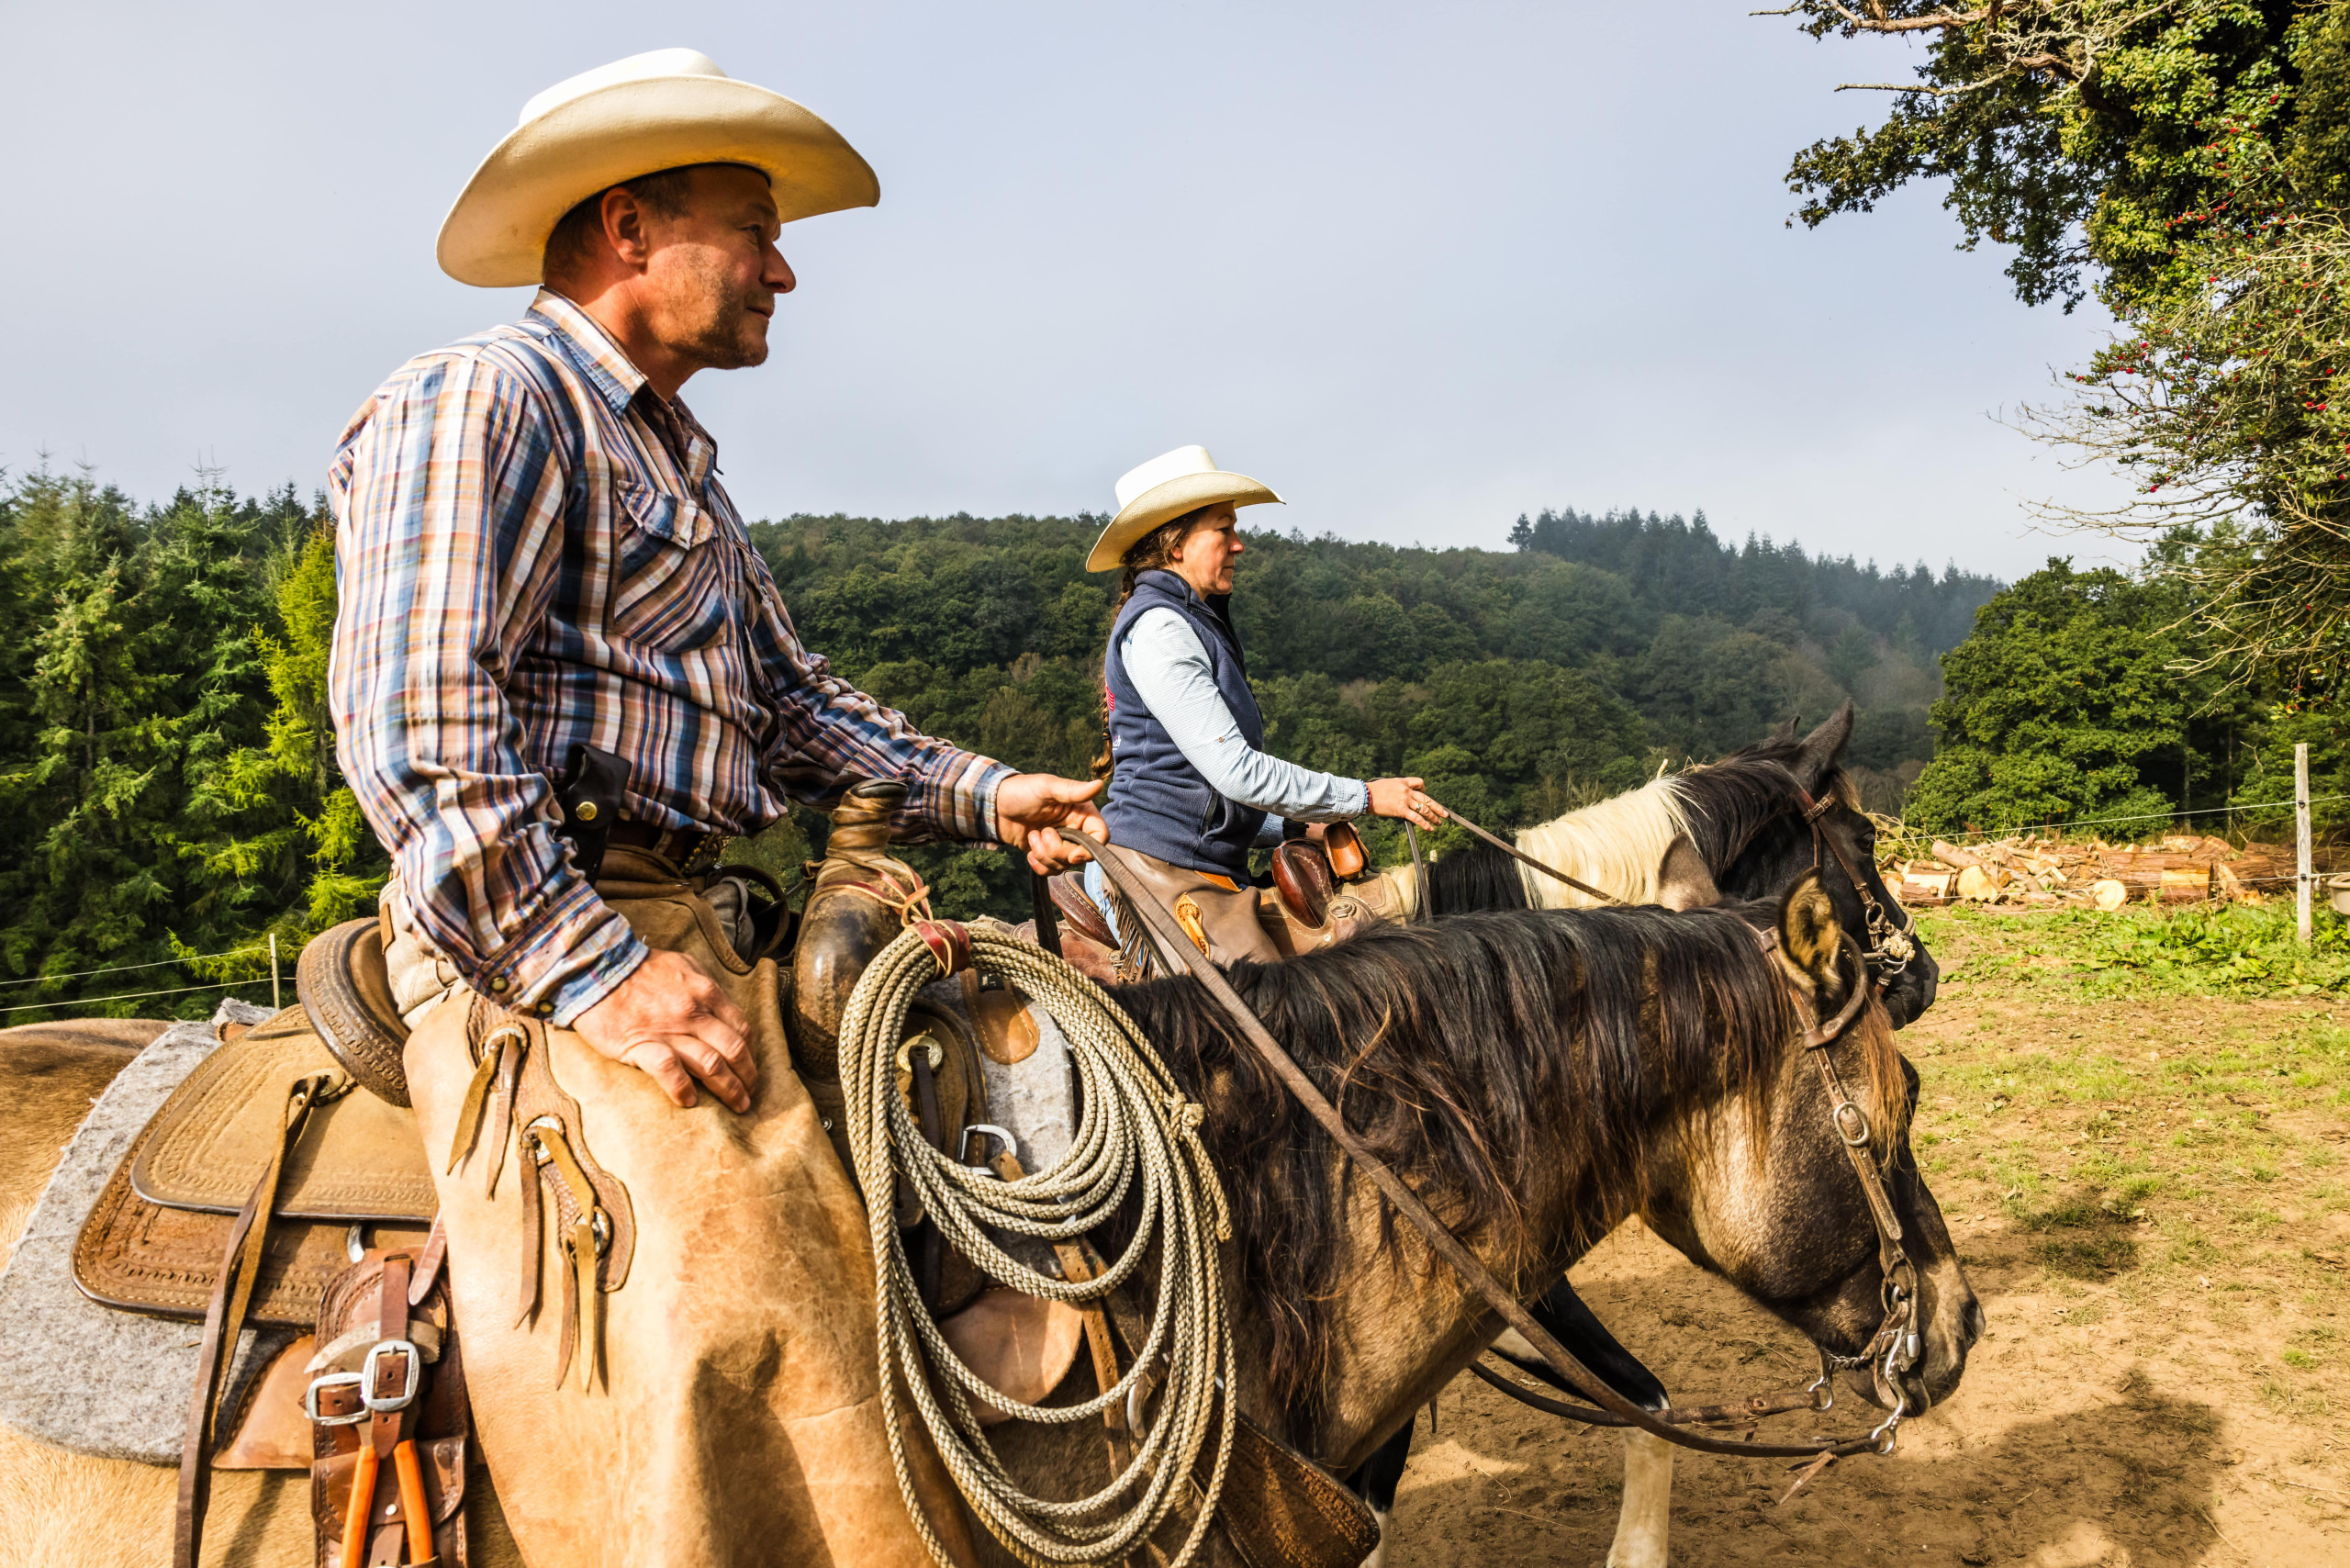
x=2044 y=872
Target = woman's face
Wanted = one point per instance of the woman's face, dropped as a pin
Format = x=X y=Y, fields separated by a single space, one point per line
x=1206 y=556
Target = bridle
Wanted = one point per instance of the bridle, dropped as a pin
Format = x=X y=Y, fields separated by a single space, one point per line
x=1896 y=1340
x=1890 y=947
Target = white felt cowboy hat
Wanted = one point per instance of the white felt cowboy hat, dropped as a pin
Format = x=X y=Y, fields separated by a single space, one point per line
x=1162 y=490
x=638 y=116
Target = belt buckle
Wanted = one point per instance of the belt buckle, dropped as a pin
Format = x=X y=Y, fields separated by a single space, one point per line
x=335 y=1379
x=381 y=1404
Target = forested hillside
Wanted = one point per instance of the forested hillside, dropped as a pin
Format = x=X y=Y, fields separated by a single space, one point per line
x=167 y=788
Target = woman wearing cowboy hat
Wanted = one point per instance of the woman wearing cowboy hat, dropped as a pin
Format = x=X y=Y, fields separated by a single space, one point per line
x=1191 y=790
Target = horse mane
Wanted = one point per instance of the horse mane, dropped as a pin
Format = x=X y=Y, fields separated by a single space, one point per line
x=1477 y=878
x=1618 y=844
x=1727 y=802
x=1493 y=1060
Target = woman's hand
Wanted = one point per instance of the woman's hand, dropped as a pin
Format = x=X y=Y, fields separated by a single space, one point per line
x=1407 y=799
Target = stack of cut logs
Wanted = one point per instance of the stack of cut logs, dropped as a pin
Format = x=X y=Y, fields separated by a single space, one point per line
x=2029 y=871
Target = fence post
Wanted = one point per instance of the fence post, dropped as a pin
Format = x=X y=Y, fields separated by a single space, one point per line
x=2301 y=837
x=277 y=1003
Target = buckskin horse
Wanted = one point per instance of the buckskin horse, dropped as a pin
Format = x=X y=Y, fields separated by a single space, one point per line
x=1537 y=1075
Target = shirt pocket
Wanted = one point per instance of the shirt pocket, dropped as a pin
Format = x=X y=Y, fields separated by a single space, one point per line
x=675 y=590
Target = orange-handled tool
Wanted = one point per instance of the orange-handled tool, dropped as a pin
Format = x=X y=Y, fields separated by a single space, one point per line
x=412 y=1504
x=355 y=1519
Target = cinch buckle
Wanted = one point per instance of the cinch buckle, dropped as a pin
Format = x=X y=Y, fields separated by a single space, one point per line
x=407 y=1396
x=334 y=1380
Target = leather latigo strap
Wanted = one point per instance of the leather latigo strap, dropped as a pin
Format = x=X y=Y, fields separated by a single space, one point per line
x=513 y=1097
x=224 y=1318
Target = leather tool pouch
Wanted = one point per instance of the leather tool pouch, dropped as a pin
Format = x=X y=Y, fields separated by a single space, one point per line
x=439 y=1422
x=155 y=1240
x=593 y=785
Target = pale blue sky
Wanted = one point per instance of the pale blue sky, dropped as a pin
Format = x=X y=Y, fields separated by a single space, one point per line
x=1418 y=267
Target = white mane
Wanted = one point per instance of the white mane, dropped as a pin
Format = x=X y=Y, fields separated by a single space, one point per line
x=1617 y=846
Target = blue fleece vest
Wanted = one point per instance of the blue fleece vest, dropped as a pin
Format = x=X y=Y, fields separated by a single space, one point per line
x=1159 y=802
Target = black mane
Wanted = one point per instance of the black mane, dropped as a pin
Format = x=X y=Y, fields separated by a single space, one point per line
x=1728 y=802
x=1486 y=1058
x=1477 y=878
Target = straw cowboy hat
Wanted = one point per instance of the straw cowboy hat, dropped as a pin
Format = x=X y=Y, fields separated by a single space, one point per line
x=638 y=116
x=1162 y=490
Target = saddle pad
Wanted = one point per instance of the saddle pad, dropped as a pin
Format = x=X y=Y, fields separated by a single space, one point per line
x=83 y=1376
x=361 y=1160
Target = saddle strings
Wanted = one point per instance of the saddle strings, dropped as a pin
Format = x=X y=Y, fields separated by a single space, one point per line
x=1137 y=1128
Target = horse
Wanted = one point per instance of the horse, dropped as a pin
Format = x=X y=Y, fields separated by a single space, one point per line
x=1745 y=817
x=1538 y=1076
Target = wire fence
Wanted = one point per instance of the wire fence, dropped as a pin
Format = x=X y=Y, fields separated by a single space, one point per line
x=83 y=1003
x=127 y=996
x=125 y=968
x=2240 y=808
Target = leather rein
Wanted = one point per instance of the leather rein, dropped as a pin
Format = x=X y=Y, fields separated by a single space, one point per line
x=1897 y=1338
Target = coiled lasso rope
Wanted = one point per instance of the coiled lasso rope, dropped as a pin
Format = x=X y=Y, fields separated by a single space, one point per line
x=1137 y=1128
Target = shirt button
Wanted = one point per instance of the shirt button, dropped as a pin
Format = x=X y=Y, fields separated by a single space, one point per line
x=499 y=985
x=547 y=1009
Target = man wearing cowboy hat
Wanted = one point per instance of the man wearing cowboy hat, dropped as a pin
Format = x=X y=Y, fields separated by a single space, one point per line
x=534 y=553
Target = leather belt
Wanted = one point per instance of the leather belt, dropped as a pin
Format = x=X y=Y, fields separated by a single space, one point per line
x=690 y=849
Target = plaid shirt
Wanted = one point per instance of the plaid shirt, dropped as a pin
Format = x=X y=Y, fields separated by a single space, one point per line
x=534 y=550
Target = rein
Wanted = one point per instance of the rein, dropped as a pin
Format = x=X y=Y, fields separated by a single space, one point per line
x=1511 y=850
x=1179 y=955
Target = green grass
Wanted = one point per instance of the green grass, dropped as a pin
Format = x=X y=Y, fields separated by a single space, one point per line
x=2148 y=1100
x=2224 y=950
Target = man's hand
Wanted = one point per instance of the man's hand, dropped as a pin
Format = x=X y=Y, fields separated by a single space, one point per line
x=1029 y=806
x=1405 y=798
x=670 y=1020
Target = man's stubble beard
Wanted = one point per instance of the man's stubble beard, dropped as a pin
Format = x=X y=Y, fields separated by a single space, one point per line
x=727 y=336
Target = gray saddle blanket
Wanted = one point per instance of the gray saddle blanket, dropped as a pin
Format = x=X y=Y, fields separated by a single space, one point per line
x=89 y=1378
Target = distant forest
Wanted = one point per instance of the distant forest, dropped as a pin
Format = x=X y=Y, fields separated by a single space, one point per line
x=168 y=788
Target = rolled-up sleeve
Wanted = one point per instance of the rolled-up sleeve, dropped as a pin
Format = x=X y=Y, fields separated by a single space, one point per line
x=833 y=734
x=449 y=493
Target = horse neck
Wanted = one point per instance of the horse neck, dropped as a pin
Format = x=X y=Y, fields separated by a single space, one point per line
x=1408 y=1326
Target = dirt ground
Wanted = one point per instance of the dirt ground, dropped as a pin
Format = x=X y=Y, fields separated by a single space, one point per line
x=2147 y=1190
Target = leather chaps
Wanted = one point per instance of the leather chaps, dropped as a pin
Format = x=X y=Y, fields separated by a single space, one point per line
x=738 y=1420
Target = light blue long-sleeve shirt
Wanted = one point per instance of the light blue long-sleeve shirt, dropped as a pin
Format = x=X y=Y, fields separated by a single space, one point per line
x=1167 y=664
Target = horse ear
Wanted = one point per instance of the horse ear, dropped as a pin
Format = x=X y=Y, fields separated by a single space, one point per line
x=1682 y=881
x=1784 y=732
x=1809 y=933
x=1823 y=749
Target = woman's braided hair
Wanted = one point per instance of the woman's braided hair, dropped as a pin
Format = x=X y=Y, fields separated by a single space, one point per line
x=1153 y=552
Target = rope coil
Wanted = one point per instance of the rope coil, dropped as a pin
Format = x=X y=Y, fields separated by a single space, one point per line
x=1138 y=1129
